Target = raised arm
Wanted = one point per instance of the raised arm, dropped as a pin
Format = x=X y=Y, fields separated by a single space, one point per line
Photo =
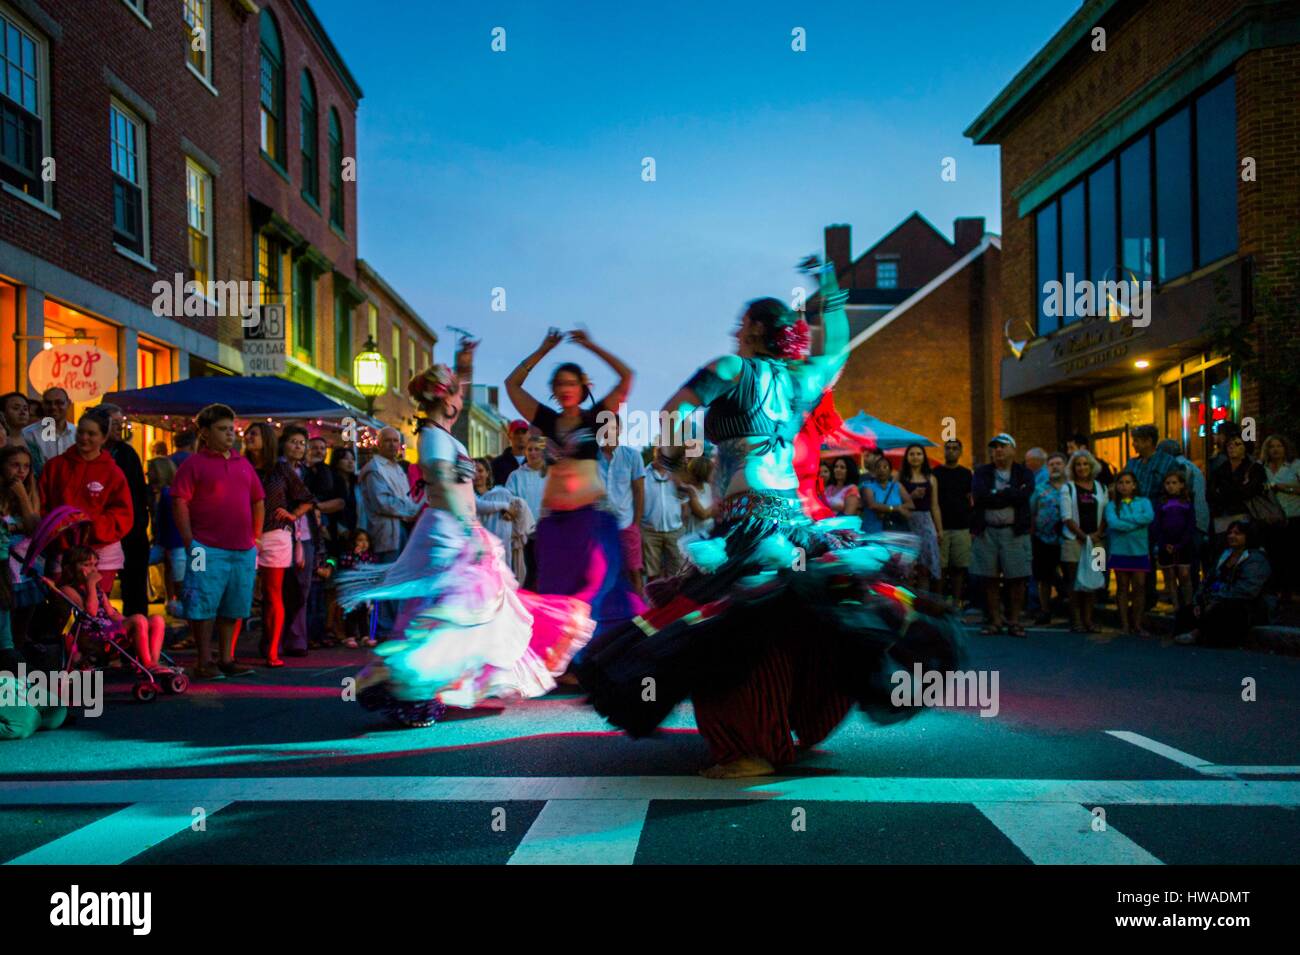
x=525 y=403
x=620 y=391
x=818 y=371
x=705 y=386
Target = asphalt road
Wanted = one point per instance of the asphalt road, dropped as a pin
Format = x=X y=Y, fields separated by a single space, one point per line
x=1103 y=750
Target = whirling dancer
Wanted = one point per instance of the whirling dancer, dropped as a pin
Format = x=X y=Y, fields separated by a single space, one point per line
x=782 y=623
x=465 y=630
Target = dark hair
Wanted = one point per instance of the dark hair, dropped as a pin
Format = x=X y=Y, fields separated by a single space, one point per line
x=7 y=452
x=1182 y=476
x=72 y=557
x=851 y=475
x=781 y=334
x=288 y=432
x=1229 y=429
x=212 y=414
x=4 y=399
x=956 y=441
x=1137 y=487
x=336 y=454
x=487 y=466
x=1079 y=439
x=573 y=368
x=266 y=456
x=1247 y=528
x=99 y=416
x=906 y=468
x=185 y=439
x=1147 y=432
x=350 y=541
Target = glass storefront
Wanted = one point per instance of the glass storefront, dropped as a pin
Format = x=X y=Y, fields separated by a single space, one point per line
x=8 y=346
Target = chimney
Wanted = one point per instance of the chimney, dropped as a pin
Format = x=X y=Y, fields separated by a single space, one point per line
x=967 y=233
x=837 y=247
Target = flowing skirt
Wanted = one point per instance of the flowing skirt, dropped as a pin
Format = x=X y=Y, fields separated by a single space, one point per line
x=922 y=525
x=776 y=621
x=580 y=554
x=467 y=632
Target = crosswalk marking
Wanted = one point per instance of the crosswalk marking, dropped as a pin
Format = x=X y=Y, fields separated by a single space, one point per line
x=583 y=832
x=1202 y=766
x=1062 y=834
x=119 y=836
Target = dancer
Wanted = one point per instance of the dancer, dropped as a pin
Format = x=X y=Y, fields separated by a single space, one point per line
x=465 y=631
x=780 y=626
x=580 y=551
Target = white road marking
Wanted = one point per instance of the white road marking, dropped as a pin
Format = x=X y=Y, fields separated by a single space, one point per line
x=583 y=832
x=1217 y=770
x=871 y=789
x=1160 y=749
x=1062 y=834
x=119 y=836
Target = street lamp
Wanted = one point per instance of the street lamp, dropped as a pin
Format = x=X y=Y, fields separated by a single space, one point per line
x=370 y=373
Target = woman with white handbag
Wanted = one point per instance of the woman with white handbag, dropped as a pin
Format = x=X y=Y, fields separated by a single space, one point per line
x=1083 y=528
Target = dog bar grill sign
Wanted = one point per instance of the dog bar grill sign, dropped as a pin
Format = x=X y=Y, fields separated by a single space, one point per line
x=264 y=342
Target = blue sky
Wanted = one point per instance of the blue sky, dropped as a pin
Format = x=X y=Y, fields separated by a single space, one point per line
x=523 y=169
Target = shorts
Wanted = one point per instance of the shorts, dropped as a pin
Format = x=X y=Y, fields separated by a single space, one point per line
x=276 y=549
x=1046 y=562
x=1181 y=557
x=1129 y=563
x=111 y=556
x=954 y=549
x=176 y=563
x=629 y=539
x=223 y=587
x=1000 y=550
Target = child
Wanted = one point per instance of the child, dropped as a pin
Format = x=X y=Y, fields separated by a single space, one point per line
x=356 y=625
x=1128 y=515
x=1174 y=533
x=79 y=582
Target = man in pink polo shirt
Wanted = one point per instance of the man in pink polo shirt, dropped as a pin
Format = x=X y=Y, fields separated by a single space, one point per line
x=217 y=501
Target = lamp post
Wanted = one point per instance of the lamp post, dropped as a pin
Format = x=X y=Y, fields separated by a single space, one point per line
x=370 y=373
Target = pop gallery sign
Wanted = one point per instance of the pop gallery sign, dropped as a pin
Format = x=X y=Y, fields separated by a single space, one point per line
x=83 y=371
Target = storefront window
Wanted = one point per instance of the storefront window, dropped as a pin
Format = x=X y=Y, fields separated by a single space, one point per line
x=153 y=367
x=1174 y=195
x=65 y=324
x=1216 y=171
x=1101 y=223
x=1135 y=208
x=1193 y=409
x=1074 y=263
x=9 y=349
x=1047 y=270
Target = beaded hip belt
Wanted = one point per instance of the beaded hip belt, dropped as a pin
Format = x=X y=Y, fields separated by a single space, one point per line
x=780 y=506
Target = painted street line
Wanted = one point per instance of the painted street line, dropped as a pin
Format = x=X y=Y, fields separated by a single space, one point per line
x=1202 y=766
x=206 y=792
x=119 y=836
x=1062 y=834
x=584 y=832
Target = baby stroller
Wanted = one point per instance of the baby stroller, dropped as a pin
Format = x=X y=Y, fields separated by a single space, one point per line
x=64 y=623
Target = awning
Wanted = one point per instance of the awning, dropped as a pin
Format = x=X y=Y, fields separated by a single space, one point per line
x=883 y=434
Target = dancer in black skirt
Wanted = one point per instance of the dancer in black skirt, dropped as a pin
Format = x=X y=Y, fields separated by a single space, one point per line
x=780 y=624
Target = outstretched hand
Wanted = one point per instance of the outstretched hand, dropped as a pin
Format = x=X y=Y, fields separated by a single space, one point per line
x=553 y=337
x=580 y=336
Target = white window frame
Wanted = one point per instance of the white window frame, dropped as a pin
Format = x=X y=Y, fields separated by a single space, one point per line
x=205 y=15
x=46 y=200
x=137 y=7
x=205 y=185
x=142 y=166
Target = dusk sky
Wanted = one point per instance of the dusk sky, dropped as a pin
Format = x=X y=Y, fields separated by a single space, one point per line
x=523 y=169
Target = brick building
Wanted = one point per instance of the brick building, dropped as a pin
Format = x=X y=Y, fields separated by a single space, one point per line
x=401 y=336
x=1125 y=145
x=925 y=328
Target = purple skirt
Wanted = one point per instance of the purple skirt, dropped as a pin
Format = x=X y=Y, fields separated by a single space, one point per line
x=580 y=554
x=1127 y=563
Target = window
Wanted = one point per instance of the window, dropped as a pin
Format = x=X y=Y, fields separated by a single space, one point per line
x=410 y=351
x=1102 y=258
x=127 y=157
x=197 y=39
x=342 y=335
x=310 y=149
x=336 y=170
x=1135 y=210
x=1045 y=229
x=22 y=107
x=304 y=311
x=198 y=214
x=268 y=267
x=887 y=274
x=1217 y=174
x=396 y=376
x=372 y=322
x=272 y=90
x=1074 y=263
x=1173 y=164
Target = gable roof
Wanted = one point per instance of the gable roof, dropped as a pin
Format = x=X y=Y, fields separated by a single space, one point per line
x=990 y=239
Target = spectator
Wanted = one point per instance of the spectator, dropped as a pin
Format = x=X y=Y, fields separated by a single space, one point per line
x=80 y=583
x=184 y=443
x=840 y=490
x=1079 y=442
x=166 y=536
x=1036 y=461
x=661 y=524
x=925 y=520
x=218 y=505
x=356 y=624
x=1083 y=524
x=389 y=508
x=16 y=415
x=512 y=458
x=47 y=440
x=1235 y=484
x=1150 y=465
x=1222 y=432
x=86 y=477
x=527 y=482
x=954 y=483
x=504 y=515
x=1045 y=545
x=1129 y=514
x=1282 y=471
x=135 y=545
x=1174 y=534
x=158 y=474
x=1229 y=601
x=1000 y=525
x=352 y=516
x=20 y=513
x=623 y=473
x=1196 y=494
x=319 y=478
x=301 y=575
x=885 y=505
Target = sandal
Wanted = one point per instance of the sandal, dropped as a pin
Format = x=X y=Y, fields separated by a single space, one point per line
x=1016 y=630
x=989 y=630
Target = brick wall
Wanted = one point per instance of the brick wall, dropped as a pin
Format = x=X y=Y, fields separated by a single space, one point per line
x=922 y=254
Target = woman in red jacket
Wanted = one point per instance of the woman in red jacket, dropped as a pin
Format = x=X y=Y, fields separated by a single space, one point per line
x=85 y=477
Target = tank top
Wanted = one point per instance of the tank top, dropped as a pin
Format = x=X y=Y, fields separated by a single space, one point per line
x=920 y=504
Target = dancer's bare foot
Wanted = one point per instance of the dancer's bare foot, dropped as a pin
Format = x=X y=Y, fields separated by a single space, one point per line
x=739 y=768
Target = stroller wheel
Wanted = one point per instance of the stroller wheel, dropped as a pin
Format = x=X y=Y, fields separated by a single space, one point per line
x=145 y=692
x=178 y=683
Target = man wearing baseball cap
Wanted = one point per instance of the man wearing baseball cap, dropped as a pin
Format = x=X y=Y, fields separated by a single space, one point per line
x=1000 y=525
x=509 y=460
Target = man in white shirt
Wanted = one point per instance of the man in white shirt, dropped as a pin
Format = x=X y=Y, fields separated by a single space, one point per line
x=52 y=435
x=623 y=474
x=527 y=482
x=662 y=524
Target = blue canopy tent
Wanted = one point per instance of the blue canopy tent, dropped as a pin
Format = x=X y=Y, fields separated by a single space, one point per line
x=882 y=434
x=173 y=406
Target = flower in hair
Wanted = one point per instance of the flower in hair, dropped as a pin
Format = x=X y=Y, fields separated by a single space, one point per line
x=792 y=341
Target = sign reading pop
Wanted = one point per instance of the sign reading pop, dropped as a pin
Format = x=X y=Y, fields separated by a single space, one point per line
x=83 y=371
